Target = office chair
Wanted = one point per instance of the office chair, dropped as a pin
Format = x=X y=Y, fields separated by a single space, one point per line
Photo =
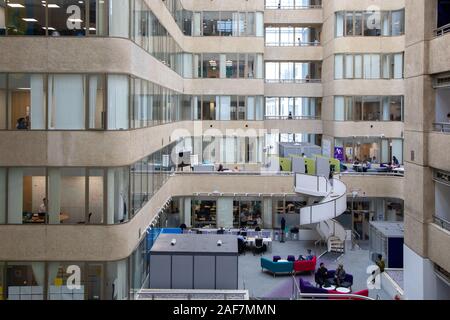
x=260 y=247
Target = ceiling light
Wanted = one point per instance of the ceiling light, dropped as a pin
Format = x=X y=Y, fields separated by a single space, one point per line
x=15 y=5
x=29 y=19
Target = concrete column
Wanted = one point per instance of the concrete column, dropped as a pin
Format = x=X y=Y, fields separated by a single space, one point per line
x=2 y=195
x=187 y=208
x=54 y=195
x=15 y=196
x=267 y=212
x=224 y=213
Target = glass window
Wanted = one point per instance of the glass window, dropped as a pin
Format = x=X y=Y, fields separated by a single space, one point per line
x=272 y=36
x=231 y=65
x=396 y=108
x=211 y=65
x=204 y=213
x=371 y=109
x=287 y=36
x=97 y=22
x=96 y=102
x=66 y=18
x=272 y=107
x=66 y=101
x=272 y=71
x=349 y=66
x=59 y=280
x=398 y=66
x=339 y=66
x=340 y=24
x=358 y=17
x=67 y=196
x=119 y=18
x=25 y=18
x=339 y=109
x=243 y=67
x=209 y=108
x=358 y=66
x=211 y=23
x=286 y=71
x=349 y=24
x=2 y=25
x=3 y=96
x=26 y=101
x=95 y=196
x=398 y=22
x=24 y=281
x=118 y=103
x=225 y=25
x=372 y=25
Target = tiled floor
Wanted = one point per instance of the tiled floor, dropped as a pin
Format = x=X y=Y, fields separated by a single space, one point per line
x=264 y=285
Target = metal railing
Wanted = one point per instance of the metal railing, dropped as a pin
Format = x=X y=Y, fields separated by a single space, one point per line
x=442 y=30
x=293 y=80
x=443 y=127
x=169 y=294
x=294 y=44
x=378 y=174
x=443 y=223
x=291 y=118
x=297 y=294
x=293 y=7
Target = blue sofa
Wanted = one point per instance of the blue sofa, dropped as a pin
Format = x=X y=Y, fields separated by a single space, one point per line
x=276 y=267
x=348 y=280
x=307 y=287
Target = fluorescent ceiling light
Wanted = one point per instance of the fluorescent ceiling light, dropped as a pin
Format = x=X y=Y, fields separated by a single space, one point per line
x=29 y=19
x=15 y=5
x=75 y=20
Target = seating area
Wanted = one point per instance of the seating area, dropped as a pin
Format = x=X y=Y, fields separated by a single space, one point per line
x=290 y=265
x=306 y=287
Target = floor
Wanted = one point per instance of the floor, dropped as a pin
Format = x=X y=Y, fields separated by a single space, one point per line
x=265 y=286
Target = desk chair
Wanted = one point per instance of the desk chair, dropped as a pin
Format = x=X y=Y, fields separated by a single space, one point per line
x=260 y=247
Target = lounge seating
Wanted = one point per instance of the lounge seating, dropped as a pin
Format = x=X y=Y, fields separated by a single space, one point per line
x=277 y=267
x=305 y=265
x=276 y=258
x=291 y=258
x=348 y=280
x=307 y=287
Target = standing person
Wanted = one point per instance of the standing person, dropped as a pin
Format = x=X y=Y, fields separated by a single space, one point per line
x=380 y=263
x=283 y=227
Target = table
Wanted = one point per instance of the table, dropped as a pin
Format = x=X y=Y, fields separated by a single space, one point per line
x=266 y=241
x=343 y=290
x=330 y=287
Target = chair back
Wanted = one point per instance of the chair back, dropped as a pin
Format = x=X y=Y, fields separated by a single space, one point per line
x=258 y=242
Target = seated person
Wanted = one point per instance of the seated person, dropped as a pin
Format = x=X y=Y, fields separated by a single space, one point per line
x=339 y=276
x=308 y=257
x=322 y=275
x=21 y=124
x=380 y=263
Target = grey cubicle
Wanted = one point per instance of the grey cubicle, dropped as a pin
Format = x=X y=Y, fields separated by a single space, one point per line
x=194 y=262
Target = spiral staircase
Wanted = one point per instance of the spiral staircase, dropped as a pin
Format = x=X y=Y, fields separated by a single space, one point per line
x=327 y=199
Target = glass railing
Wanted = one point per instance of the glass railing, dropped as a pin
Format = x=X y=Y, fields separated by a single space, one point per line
x=293 y=80
x=443 y=223
x=292 y=117
x=292 y=5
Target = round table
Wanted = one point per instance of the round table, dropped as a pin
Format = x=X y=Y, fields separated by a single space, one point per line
x=329 y=288
x=343 y=290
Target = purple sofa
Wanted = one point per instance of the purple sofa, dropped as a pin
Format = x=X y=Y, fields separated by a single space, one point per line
x=307 y=287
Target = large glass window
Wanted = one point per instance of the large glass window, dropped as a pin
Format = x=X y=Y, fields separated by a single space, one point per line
x=211 y=23
x=25 y=18
x=204 y=213
x=24 y=280
x=26 y=99
x=67 y=18
x=66 y=101
x=2 y=24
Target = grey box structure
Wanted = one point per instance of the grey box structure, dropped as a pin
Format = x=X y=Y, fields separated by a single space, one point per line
x=288 y=149
x=386 y=238
x=194 y=262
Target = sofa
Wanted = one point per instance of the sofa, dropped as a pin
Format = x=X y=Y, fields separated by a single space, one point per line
x=348 y=280
x=276 y=267
x=305 y=265
x=307 y=287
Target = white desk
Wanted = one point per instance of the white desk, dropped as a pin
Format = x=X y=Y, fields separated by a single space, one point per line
x=266 y=241
x=344 y=290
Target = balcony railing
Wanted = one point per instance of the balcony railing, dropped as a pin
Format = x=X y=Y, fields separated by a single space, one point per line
x=442 y=30
x=291 y=118
x=443 y=127
x=293 y=80
x=293 y=7
x=294 y=44
x=443 y=223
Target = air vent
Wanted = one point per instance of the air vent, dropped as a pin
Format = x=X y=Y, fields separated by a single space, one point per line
x=442 y=177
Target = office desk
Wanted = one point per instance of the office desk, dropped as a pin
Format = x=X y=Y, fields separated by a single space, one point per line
x=267 y=241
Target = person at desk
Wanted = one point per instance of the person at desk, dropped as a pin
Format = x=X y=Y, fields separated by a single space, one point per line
x=43 y=207
x=243 y=218
x=21 y=124
x=395 y=161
